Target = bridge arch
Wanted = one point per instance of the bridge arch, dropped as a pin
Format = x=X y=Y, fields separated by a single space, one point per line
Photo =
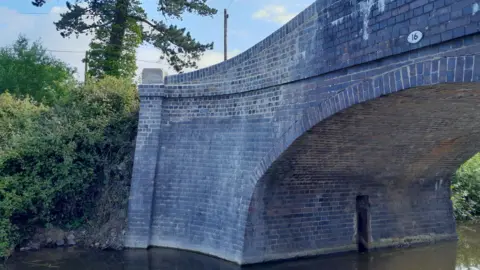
x=398 y=149
x=206 y=139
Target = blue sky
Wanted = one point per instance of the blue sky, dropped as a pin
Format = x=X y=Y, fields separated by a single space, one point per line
x=250 y=21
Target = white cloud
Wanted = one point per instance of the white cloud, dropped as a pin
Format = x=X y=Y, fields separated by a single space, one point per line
x=58 y=10
x=274 y=13
x=41 y=27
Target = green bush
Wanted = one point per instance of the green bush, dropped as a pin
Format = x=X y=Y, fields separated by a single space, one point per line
x=466 y=190
x=17 y=116
x=26 y=69
x=56 y=162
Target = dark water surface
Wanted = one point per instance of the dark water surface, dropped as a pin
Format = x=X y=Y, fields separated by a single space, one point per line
x=464 y=254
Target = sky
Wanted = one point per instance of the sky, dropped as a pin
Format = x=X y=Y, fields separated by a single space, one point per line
x=250 y=21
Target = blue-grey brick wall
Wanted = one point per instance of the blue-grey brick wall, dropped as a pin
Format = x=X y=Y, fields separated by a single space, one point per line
x=144 y=168
x=332 y=35
x=211 y=135
x=400 y=150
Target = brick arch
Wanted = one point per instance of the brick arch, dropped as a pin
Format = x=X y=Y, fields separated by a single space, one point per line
x=422 y=73
x=448 y=70
x=206 y=138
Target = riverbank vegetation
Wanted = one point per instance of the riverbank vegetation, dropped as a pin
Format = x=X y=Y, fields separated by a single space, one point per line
x=466 y=190
x=66 y=148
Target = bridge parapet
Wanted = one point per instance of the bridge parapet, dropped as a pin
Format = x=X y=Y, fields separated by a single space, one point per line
x=330 y=36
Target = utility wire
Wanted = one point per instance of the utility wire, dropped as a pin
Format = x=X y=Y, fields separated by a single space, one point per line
x=34 y=13
x=82 y=52
x=60 y=51
x=231 y=2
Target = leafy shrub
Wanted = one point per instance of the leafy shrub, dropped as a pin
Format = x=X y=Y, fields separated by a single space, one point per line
x=466 y=190
x=55 y=162
x=26 y=69
x=17 y=116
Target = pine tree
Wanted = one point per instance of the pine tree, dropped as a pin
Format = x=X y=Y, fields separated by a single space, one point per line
x=120 y=26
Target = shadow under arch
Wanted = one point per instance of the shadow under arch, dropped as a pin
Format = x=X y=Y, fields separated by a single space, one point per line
x=400 y=149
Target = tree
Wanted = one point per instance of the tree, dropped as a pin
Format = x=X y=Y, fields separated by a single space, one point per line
x=125 y=66
x=27 y=69
x=120 y=25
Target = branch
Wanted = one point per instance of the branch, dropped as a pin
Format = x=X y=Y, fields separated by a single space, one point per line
x=147 y=22
x=180 y=49
x=95 y=26
x=38 y=3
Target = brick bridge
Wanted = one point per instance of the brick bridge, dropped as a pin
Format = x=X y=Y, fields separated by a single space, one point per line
x=340 y=126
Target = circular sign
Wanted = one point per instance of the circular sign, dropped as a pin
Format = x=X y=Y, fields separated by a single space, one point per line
x=414 y=37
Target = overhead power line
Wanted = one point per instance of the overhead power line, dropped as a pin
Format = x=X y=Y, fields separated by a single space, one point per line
x=34 y=13
x=82 y=52
x=86 y=57
x=62 y=51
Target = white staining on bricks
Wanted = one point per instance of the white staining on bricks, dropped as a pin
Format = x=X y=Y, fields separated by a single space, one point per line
x=381 y=5
x=365 y=10
x=338 y=21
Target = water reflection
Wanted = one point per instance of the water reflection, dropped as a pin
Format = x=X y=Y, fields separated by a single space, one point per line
x=464 y=254
x=468 y=251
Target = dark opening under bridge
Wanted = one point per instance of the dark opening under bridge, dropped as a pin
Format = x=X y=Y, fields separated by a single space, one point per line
x=338 y=132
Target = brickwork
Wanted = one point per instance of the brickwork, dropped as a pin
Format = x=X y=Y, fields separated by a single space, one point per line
x=333 y=35
x=143 y=176
x=207 y=138
x=305 y=203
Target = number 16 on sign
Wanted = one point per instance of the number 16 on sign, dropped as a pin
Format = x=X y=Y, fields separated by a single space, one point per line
x=414 y=37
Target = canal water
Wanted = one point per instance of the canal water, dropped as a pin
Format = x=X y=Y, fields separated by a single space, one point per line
x=459 y=255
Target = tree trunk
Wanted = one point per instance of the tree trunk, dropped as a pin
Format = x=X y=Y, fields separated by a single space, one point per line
x=114 y=48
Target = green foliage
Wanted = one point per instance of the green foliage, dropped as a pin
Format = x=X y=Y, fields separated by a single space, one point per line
x=55 y=162
x=466 y=190
x=28 y=70
x=118 y=33
x=38 y=3
x=100 y=65
x=17 y=116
